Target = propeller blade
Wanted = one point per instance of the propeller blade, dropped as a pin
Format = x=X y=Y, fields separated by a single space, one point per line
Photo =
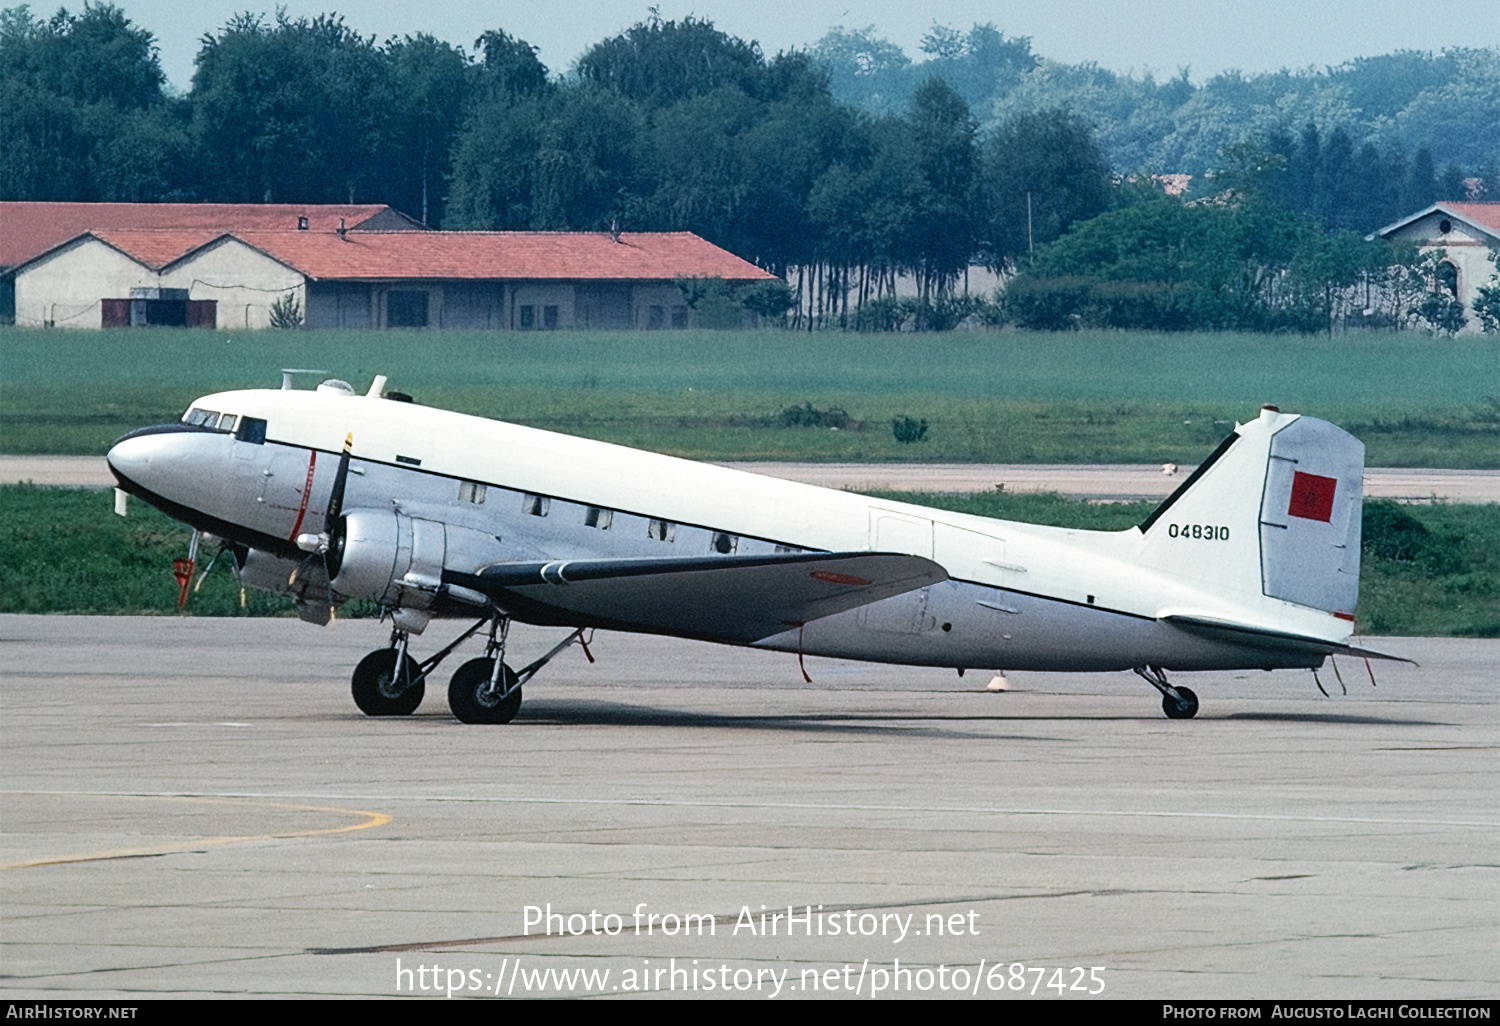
x=336 y=500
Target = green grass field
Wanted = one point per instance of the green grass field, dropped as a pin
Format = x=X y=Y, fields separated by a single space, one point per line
x=1007 y=397
x=1427 y=570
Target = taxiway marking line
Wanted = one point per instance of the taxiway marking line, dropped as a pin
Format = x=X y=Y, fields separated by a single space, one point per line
x=373 y=819
x=811 y=806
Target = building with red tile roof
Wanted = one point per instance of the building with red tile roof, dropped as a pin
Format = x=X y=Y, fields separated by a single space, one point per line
x=1467 y=234
x=29 y=229
x=363 y=279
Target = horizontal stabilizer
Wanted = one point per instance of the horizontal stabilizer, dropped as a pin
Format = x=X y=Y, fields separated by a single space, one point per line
x=716 y=598
x=1260 y=637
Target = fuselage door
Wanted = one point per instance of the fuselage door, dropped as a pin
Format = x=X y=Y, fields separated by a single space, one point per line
x=903 y=614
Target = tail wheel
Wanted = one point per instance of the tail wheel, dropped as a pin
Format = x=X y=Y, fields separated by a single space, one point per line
x=472 y=701
x=380 y=691
x=1183 y=707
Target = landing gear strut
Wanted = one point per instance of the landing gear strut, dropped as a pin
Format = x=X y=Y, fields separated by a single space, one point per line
x=388 y=682
x=485 y=690
x=381 y=690
x=1179 y=703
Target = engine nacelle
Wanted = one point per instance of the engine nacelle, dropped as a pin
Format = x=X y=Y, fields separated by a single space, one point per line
x=373 y=550
x=397 y=560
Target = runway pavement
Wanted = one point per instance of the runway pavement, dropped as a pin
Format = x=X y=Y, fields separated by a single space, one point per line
x=191 y=806
x=1107 y=482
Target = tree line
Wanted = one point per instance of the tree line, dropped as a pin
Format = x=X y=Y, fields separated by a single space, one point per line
x=671 y=125
x=1447 y=103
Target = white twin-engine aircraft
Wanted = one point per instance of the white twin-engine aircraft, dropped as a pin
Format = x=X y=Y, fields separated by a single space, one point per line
x=326 y=495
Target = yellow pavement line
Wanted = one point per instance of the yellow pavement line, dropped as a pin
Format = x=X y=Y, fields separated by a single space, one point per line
x=373 y=819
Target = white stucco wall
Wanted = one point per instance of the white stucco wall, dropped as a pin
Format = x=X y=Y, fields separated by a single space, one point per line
x=244 y=281
x=64 y=289
x=1467 y=248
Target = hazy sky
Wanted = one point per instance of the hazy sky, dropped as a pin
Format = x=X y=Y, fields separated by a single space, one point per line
x=1209 y=36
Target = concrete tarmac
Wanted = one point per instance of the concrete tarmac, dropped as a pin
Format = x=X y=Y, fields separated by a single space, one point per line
x=1096 y=481
x=193 y=806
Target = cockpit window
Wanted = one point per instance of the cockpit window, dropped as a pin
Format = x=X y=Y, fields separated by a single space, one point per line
x=252 y=430
x=201 y=418
x=226 y=422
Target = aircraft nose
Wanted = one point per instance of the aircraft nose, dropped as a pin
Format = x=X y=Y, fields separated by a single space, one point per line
x=158 y=459
x=130 y=458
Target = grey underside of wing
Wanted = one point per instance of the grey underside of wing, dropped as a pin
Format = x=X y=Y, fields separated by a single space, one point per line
x=1254 y=637
x=729 y=598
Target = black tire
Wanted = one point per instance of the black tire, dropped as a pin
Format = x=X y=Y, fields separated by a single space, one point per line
x=469 y=701
x=1184 y=707
x=375 y=687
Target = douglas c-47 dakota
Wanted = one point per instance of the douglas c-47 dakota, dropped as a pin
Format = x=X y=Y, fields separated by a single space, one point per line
x=327 y=495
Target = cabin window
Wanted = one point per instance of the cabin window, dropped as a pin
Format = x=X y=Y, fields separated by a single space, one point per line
x=536 y=505
x=471 y=491
x=549 y=317
x=528 y=317
x=599 y=518
x=725 y=543
x=662 y=530
x=252 y=430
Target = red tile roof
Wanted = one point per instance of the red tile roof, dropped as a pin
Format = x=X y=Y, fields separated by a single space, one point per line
x=156 y=248
x=511 y=256
x=28 y=229
x=1484 y=216
x=450 y=256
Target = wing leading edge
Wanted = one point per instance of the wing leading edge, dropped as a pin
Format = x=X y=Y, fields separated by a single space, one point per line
x=738 y=599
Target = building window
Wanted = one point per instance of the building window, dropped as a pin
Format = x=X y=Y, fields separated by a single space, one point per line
x=406 y=309
x=549 y=318
x=655 y=317
x=528 y=317
x=1447 y=278
x=679 y=317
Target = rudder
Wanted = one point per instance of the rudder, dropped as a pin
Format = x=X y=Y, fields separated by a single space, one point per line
x=1275 y=511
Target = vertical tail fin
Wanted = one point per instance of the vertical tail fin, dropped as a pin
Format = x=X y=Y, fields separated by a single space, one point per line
x=1274 y=511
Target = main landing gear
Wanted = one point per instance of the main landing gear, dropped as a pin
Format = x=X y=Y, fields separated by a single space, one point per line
x=1177 y=702
x=389 y=682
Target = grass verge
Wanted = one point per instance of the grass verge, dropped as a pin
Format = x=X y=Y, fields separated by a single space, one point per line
x=1002 y=397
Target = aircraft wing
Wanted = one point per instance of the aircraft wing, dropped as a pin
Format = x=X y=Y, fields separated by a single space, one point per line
x=1260 y=637
x=714 y=598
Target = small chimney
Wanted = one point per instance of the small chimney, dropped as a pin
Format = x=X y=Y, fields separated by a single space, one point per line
x=302 y=224
x=614 y=228
x=342 y=230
